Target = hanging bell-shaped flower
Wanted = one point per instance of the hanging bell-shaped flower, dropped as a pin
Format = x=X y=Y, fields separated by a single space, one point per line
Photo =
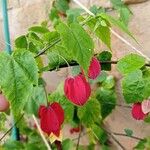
x=77 y=89
x=137 y=112
x=51 y=118
x=94 y=68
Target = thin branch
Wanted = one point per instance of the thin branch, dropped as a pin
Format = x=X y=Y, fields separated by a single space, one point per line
x=9 y=130
x=47 y=48
x=79 y=137
x=122 y=134
x=114 y=138
x=73 y=63
x=41 y=133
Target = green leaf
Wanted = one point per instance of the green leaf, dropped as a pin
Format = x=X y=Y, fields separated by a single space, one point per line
x=146 y=78
x=38 y=29
x=105 y=147
x=117 y=23
x=62 y=5
x=147 y=119
x=124 y=11
x=90 y=112
x=99 y=133
x=18 y=73
x=72 y=15
x=11 y=144
x=67 y=144
x=117 y=3
x=27 y=62
x=101 y=31
x=53 y=15
x=105 y=56
x=21 y=42
x=50 y=37
x=107 y=99
x=58 y=56
x=109 y=82
x=141 y=145
x=125 y=14
x=102 y=77
x=133 y=87
x=96 y=10
x=130 y=63
x=58 y=96
x=77 y=42
x=38 y=98
x=128 y=132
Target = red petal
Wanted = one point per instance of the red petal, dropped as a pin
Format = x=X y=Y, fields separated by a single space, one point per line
x=137 y=112
x=146 y=106
x=40 y=112
x=94 y=69
x=77 y=90
x=49 y=121
x=59 y=112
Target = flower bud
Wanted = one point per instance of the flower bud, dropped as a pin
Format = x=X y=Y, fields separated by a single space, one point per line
x=94 y=68
x=137 y=112
x=51 y=118
x=77 y=89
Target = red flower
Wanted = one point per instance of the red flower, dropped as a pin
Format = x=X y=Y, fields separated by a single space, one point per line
x=72 y=130
x=51 y=118
x=137 y=112
x=77 y=89
x=94 y=68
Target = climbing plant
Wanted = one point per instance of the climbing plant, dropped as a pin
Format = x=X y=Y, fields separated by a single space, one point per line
x=67 y=40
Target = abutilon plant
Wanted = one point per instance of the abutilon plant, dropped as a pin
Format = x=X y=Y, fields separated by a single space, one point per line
x=94 y=68
x=51 y=118
x=137 y=112
x=69 y=42
x=77 y=89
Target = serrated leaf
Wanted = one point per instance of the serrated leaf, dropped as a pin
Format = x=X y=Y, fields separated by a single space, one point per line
x=38 y=29
x=77 y=42
x=50 y=36
x=67 y=144
x=130 y=63
x=133 y=87
x=96 y=10
x=102 y=32
x=141 y=145
x=38 y=98
x=107 y=99
x=90 y=112
x=18 y=73
x=117 y=23
x=11 y=144
x=72 y=15
x=128 y=132
x=27 y=62
x=58 y=96
x=146 y=78
x=125 y=14
x=109 y=82
x=61 y=5
x=105 y=56
x=99 y=133
x=21 y=42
